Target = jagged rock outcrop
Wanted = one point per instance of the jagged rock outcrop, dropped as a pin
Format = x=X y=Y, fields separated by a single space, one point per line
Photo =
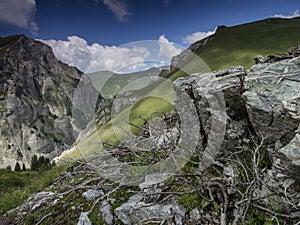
x=163 y=73
x=272 y=99
x=293 y=53
x=259 y=59
x=273 y=105
x=135 y=211
x=221 y=109
x=265 y=98
x=84 y=219
x=146 y=206
x=36 y=100
x=105 y=209
x=262 y=102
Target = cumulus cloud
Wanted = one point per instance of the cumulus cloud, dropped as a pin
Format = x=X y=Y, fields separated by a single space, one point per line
x=18 y=13
x=167 y=48
x=119 y=8
x=90 y=58
x=294 y=14
x=77 y=52
x=117 y=58
x=197 y=36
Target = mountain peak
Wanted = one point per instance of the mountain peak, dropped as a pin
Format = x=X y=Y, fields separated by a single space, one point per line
x=25 y=49
x=35 y=101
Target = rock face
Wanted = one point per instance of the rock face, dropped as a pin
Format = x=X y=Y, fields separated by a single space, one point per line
x=92 y=194
x=295 y=52
x=265 y=98
x=163 y=73
x=135 y=211
x=288 y=161
x=105 y=209
x=272 y=99
x=84 y=219
x=221 y=109
x=36 y=94
x=272 y=96
x=145 y=205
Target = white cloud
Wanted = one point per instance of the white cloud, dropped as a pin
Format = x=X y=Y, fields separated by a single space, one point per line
x=197 y=36
x=294 y=14
x=90 y=58
x=167 y=48
x=116 y=58
x=159 y=64
x=119 y=8
x=18 y=13
x=131 y=57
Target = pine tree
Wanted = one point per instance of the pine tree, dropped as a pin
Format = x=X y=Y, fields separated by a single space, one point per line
x=34 y=163
x=24 y=167
x=18 y=167
x=41 y=161
x=47 y=162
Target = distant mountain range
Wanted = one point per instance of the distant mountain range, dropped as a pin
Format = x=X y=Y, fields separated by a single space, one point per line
x=115 y=82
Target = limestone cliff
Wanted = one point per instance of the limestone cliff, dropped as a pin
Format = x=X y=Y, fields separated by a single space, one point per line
x=36 y=93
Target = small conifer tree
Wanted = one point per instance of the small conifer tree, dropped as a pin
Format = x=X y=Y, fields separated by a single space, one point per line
x=18 y=167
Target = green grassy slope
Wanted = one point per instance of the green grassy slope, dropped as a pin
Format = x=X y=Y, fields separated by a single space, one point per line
x=238 y=45
x=157 y=97
x=15 y=187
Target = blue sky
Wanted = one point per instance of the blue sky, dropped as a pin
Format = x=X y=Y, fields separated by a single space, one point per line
x=118 y=22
